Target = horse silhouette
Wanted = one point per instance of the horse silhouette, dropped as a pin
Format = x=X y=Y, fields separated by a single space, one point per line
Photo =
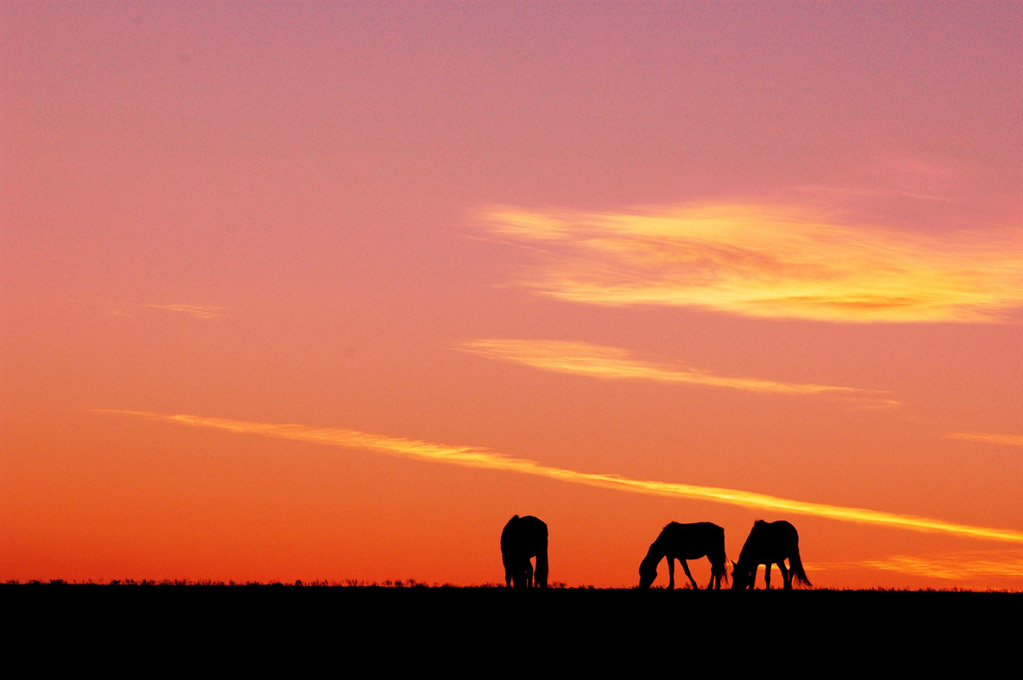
x=522 y=539
x=685 y=542
x=769 y=543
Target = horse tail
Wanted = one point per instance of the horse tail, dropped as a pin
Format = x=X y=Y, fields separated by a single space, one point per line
x=542 y=568
x=719 y=570
x=719 y=564
x=797 y=568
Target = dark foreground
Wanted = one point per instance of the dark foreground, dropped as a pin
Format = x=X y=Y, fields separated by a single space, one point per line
x=584 y=627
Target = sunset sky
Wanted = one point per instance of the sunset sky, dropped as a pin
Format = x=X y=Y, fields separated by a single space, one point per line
x=329 y=291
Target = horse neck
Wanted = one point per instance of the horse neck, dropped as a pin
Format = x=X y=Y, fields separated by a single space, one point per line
x=745 y=555
x=655 y=554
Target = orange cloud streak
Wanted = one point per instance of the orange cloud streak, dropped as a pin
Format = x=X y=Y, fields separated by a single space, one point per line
x=483 y=458
x=612 y=363
x=767 y=261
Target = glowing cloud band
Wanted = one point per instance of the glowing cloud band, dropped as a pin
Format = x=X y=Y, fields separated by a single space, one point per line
x=766 y=261
x=612 y=363
x=482 y=458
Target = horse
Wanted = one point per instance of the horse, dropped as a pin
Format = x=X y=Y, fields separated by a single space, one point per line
x=686 y=542
x=769 y=543
x=522 y=539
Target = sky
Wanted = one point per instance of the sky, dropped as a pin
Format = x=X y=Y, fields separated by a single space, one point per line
x=328 y=291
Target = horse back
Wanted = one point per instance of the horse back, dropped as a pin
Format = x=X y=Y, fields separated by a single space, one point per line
x=524 y=537
x=692 y=541
x=769 y=542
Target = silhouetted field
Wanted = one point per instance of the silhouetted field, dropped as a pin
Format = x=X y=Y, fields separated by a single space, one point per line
x=741 y=627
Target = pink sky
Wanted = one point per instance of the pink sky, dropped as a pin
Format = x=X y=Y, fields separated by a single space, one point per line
x=757 y=260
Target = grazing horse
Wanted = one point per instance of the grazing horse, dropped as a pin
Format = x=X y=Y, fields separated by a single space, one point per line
x=686 y=542
x=522 y=539
x=769 y=543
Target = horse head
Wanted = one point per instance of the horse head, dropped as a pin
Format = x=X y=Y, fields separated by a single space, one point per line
x=740 y=577
x=647 y=573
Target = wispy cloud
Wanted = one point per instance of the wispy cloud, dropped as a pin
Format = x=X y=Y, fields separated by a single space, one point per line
x=953 y=567
x=1001 y=439
x=198 y=311
x=766 y=261
x=865 y=192
x=612 y=363
x=483 y=458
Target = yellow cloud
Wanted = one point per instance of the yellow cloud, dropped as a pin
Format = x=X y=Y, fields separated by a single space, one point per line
x=612 y=363
x=766 y=261
x=483 y=458
x=1003 y=439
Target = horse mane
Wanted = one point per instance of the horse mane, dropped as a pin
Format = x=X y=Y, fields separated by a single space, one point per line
x=744 y=554
x=655 y=550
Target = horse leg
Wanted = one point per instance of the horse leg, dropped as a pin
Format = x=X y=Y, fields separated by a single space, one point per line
x=751 y=582
x=671 y=572
x=786 y=575
x=542 y=570
x=767 y=575
x=685 y=568
x=518 y=576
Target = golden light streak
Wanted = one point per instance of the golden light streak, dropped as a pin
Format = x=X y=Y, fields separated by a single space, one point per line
x=1001 y=439
x=483 y=458
x=767 y=261
x=613 y=363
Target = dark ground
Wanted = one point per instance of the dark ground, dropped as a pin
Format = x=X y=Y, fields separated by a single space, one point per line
x=802 y=631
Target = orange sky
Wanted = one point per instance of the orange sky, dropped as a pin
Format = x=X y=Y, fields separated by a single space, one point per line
x=330 y=292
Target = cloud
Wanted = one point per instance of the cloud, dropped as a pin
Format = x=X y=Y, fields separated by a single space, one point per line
x=769 y=260
x=485 y=459
x=612 y=363
x=1002 y=439
x=198 y=311
x=953 y=567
